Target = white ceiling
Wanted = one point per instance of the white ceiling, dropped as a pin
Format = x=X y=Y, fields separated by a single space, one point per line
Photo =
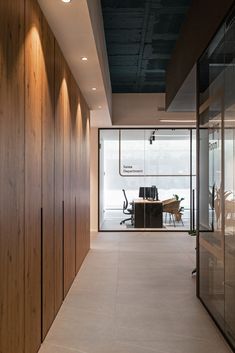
x=76 y=31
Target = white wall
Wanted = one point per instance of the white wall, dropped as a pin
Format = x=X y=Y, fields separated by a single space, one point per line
x=143 y=109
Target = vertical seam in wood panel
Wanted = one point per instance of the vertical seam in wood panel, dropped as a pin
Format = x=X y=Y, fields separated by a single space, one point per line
x=75 y=231
x=63 y=250
x=54 y=119
x=42 y=274
x=63 y=277
x=24 y=162
x=42 y=184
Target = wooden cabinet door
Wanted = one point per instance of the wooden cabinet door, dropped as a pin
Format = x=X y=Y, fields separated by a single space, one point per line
x=33 y=174
x=12 y=177
x=48 y=159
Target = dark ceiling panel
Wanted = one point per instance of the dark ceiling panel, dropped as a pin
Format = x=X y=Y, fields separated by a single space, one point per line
x=140 y=37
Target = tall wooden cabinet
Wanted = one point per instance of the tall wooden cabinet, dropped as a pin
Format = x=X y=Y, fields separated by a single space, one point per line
x=12 y=235
x=33 y=174
x=44 y=228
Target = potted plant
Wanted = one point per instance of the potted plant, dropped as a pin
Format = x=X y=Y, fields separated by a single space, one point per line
x=178 y=198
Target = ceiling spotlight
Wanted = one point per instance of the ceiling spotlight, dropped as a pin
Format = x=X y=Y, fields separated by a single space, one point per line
x=84 y=58
x=152 y=137
x=67 y=1
x=94 y=89
x=99 y=107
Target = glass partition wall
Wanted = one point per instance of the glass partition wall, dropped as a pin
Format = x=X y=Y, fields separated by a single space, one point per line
x=216 y=195
x=147 y=179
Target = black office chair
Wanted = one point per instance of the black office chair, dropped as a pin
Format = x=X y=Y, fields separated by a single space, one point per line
x=127 y=211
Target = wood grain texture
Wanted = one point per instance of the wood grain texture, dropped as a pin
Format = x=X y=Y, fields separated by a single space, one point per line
x=87 y=181
x=83 y=188
x=69 y=236
x=33 y=120
x=11 y=177
x=48 y=191
x=87 y=141
x=79 y=192
x=44 y=162
x=60 y=103
x=74 y=103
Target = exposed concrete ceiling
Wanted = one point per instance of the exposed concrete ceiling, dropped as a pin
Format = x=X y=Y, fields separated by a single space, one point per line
x=78 y=29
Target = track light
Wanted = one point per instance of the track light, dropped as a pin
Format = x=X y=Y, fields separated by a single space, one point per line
x=152 y=137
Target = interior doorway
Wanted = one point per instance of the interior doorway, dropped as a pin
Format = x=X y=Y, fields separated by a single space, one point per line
x=147 y=179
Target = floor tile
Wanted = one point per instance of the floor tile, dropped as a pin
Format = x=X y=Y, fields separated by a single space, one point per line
x=135 y=294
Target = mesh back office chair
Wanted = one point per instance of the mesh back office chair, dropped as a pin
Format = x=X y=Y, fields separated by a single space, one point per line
x=126 y=210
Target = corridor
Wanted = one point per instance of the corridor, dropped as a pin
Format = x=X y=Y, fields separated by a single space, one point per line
x=135 y=294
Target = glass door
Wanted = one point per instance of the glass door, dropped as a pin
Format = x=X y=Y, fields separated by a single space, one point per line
x=211 y=207
x=216 y=194
x=146 y=179
x=229 y=178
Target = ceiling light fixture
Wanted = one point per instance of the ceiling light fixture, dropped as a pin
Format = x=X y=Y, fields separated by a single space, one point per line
x=66 y=1
x=152 y=137
x=225 y=120
x=99 y=107
x=177 y=121
x=84 y=58
x=94 y=89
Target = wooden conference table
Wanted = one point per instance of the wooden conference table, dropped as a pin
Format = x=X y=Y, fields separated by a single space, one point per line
x=147 y=214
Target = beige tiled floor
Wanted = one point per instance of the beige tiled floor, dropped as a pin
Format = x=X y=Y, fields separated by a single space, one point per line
x=135 y=294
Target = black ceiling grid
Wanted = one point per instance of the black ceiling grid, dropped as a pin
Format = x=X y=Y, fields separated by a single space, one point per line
x=140 y=37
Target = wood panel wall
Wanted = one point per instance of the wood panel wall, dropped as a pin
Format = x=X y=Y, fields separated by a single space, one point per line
x=60 y=105
x=33 y=171
x=69 y=236
x=83 y=189
x=48 y=178
x=44 y=177
x=11 y=177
